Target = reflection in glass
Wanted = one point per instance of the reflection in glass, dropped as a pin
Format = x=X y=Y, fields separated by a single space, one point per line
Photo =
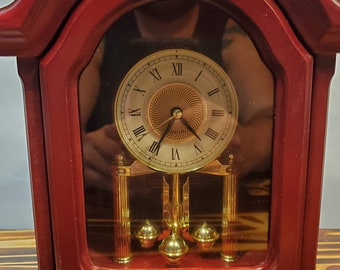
x=215 y=215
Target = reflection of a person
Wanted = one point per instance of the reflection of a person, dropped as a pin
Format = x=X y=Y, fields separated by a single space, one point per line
x=252 y=143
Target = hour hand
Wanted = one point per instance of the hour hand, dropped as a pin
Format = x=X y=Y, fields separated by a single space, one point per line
x=166 y=131
x=187 y=125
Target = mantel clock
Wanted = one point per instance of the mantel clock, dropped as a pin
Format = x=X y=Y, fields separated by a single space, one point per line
x=175 y=134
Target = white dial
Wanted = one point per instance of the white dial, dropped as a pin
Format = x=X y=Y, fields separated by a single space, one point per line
x=176 y=110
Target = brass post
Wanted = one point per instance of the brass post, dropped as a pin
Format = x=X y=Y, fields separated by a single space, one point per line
x=185 y=208
x=166 y=205
x=121 y=213
x=229 y=214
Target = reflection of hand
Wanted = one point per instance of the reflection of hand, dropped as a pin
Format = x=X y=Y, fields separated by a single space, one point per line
x=99 y=149
x=251 y=146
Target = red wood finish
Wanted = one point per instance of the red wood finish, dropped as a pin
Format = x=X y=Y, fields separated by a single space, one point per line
x=293 y=97
x=27 y=26
x=323 y=71
x=318 y=23
x=29 y=73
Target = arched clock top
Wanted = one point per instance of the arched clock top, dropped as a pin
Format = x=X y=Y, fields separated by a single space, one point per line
x=85 y=28
x=28 y=26
x=318 y=23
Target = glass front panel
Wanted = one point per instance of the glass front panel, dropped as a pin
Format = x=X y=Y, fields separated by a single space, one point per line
x=176 y=111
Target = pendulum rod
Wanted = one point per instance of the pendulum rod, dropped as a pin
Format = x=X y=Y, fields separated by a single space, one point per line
x=175 y=226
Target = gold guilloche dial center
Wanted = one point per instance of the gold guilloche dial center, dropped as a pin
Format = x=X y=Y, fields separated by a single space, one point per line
x=176 y=100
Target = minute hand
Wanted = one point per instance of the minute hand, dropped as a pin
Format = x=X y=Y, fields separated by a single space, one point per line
x=187 y=125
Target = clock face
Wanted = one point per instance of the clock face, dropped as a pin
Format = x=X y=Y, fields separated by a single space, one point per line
x=176 y=110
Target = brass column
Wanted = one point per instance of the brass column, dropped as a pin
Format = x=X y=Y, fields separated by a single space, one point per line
x=229 y=214
x=121 y=212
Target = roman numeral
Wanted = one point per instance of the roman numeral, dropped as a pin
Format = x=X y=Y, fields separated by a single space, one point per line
x=139 y=132
x=134 y=112
x=175 y=154
x=213 y=92
x=154 y=148
x=212 y=134
x=136 y=88
x=199 y=74
x=217 y=112
x=155 y=74
x=197 y=150
x=177 y=69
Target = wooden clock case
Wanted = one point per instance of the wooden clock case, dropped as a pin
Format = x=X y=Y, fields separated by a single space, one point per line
x=53 y=41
